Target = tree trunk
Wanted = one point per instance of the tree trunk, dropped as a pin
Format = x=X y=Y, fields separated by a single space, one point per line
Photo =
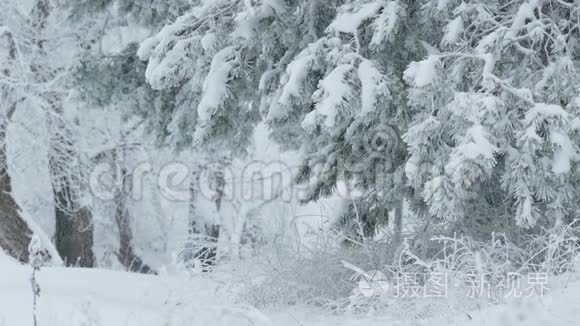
x=15 y=235
x=126 y=254
x=74 y=233
x=74 y=229
x=202 y=238
x=398 y=229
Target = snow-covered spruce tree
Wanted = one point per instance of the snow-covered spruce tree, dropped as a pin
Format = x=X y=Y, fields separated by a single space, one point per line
x=212 y=53
x=345 y=91
x=494 y=137
x=326 y=76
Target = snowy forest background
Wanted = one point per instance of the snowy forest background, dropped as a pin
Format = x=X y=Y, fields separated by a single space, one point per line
x=275 y=151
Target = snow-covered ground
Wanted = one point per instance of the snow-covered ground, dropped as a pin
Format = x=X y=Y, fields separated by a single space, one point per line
x=98 y=297
x=83 y=297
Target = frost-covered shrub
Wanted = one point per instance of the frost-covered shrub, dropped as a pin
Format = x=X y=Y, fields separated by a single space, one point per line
x=477 y=272
x=314 y=274
x=326 y=275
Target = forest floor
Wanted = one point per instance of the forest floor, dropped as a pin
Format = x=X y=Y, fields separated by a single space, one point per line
x=92 y=297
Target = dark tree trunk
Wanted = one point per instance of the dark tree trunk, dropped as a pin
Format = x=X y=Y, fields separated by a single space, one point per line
x=15 y=234
x=398 y=229
x=74 y=228
x=74 y=234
